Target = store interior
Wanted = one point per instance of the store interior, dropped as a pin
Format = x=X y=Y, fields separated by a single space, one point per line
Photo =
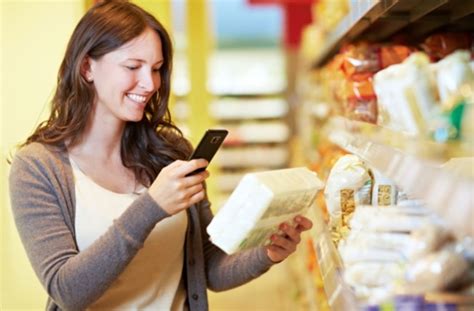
x=375 y=96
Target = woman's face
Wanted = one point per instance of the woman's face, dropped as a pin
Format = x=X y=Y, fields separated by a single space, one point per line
x=126 y=79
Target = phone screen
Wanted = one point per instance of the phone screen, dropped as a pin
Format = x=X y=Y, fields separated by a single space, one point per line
x=208 y=146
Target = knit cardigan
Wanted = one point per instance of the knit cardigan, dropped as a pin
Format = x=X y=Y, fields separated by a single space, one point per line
x=43 y=202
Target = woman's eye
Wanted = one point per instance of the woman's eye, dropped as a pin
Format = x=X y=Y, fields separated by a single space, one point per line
x=132 y=67
x=157 y=69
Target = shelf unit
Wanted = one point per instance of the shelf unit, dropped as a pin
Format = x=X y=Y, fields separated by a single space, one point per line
x=377 y=20
x=414 y=165
x=338 y=293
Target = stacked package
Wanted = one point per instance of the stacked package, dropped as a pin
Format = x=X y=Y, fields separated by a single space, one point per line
x=259 y=204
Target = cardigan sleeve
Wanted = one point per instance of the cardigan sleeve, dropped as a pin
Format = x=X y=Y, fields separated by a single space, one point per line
x=73 y=280
x=228 y=271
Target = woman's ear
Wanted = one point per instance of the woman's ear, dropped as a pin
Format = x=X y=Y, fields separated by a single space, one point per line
x=86 y=71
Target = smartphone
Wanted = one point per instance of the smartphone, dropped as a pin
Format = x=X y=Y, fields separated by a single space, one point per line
x=208 y=146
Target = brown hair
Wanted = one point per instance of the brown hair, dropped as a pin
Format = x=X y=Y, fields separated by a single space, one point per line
x=148 y=145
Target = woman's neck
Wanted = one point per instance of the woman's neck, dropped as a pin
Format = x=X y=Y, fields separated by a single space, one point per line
x=101 y=140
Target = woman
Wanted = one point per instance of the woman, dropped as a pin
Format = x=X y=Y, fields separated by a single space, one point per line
x=99 y=191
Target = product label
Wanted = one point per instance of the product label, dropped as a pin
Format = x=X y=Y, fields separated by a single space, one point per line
x=347 y=205
x=384 y=195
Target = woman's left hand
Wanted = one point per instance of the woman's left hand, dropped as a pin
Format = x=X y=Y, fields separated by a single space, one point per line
x=285 y=244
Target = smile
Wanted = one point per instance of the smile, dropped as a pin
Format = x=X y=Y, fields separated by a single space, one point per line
x=137 y=98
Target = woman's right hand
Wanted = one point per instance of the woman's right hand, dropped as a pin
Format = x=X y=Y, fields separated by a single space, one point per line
x=174 y=191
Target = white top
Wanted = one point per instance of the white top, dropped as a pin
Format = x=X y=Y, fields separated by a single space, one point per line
x=152 y=280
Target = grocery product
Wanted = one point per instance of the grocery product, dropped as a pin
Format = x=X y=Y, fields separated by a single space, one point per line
x=452 y=72
x=347 y=186
x=439 y=45
x=260 y=202
x=406 y=95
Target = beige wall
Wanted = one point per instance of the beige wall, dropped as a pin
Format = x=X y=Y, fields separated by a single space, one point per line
x=33 y=39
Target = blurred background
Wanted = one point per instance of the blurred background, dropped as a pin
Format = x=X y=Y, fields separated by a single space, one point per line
x=299 y=83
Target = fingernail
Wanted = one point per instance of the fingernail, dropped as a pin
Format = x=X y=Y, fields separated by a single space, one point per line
x=297 y=218
x=283 y=226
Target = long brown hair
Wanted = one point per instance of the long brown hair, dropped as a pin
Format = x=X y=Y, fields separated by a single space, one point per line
x=148 y=145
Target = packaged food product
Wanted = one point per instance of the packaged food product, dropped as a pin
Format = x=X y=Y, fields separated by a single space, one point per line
x=428 y=238
x=381 y=274
x=260 y=202
x=436 y=271
x=439 y=45
x=364 y=57
x=360 y=101
x=387 y=219
x=406 y=96
x=457 y=119
x=348 y=186
x=452 y=72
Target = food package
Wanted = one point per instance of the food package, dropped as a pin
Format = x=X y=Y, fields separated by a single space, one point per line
x=428 y=238
x=452 y=72
x=259 y=204
x=360 y=101
x=440 y=45
x=406 y=95
x=388 y=219
x=372 y=274
x=366 y=57
x=436 y=271
x=347 y=186
x=374 y=246
x=457 y=120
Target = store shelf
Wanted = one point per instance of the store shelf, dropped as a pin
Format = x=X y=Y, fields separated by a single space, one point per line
x=232 y=109
x=414 y=165
x=378 y=20
x=339 y=294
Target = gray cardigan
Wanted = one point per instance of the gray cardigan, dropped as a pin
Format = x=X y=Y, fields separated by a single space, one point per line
x=43 y=203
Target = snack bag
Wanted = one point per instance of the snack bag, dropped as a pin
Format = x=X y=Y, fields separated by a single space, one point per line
x=440 y=45
x=406 y=95
x=360 y=102
x=348 y=185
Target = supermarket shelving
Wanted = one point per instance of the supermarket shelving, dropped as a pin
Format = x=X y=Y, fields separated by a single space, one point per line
x=377 y=20
x=414 y=165
x=338 y=293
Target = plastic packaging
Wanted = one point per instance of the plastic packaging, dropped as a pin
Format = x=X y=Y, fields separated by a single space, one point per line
x=348 y=186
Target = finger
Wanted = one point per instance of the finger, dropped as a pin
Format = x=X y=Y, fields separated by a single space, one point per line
x=195 y=179
x=291 y=231
x=191 y=166
x=303 y=223
x=197 y=197
x=282 y=242
x=189 y=192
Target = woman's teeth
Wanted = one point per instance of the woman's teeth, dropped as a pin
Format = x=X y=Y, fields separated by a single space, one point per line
x=137 y=98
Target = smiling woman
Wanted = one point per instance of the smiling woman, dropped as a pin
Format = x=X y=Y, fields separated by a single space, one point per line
x=100 y=191
x=127 y=78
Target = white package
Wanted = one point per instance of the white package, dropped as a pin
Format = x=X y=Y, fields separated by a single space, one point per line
x=406 y=95
x=452 y=72
x=260 y=202
x=348 y=175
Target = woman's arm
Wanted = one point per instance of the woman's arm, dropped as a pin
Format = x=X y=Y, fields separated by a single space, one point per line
x=228 y=271
x=73 y=280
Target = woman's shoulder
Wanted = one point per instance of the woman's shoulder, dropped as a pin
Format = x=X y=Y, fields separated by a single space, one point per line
x=39 y=152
